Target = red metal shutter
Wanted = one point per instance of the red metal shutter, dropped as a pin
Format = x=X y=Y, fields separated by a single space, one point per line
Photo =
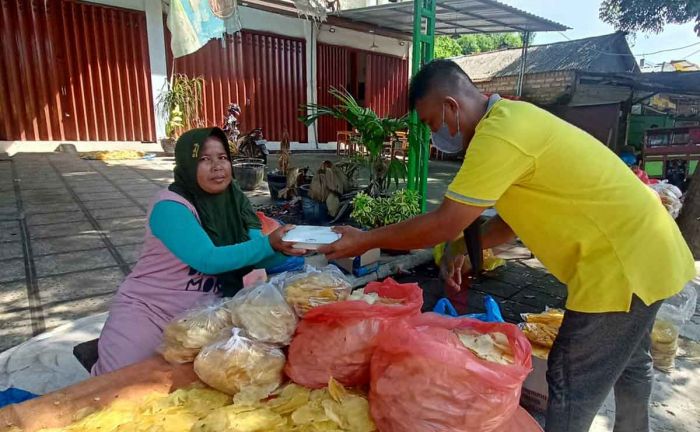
x=387 y=85
x=333 y=68
x=82 y=72
x=265 y=74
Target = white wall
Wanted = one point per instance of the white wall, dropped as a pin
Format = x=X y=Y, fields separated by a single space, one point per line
x=156 y=55
x=258 y=20
x=361 y=40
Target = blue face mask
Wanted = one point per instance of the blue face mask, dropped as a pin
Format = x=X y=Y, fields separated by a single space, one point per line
x=444 y=141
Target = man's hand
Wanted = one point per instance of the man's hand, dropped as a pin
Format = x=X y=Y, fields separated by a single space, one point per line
x=352 y=243
x=453 y=270
x=279 y=245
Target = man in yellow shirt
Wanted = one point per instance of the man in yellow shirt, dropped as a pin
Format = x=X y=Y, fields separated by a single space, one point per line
x=580 y=210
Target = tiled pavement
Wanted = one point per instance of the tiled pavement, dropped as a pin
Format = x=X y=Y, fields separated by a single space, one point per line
x=70 y=229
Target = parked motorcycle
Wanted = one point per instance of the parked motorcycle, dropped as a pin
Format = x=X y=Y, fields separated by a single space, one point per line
x=231 y=126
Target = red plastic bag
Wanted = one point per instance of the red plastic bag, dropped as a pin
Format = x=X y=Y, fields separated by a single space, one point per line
x=268 y=224
x=337 y=339
x=424 y=379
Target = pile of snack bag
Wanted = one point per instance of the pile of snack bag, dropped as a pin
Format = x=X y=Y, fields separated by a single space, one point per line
x=302 y=352
x=541 y=330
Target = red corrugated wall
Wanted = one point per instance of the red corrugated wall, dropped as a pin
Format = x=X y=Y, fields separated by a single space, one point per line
x=74 y=71
x=265 y=74
x=387 y=84
x=333 y=66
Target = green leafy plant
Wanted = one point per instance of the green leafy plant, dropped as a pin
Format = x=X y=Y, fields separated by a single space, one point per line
x=179 y=102
x=373 y=212
x=373 y=132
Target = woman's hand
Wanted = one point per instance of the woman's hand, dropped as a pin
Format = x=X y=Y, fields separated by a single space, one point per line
x=279 y=245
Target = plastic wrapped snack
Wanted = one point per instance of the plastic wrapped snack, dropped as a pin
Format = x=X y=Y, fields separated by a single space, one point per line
x=425 y=379
x=671 y=197
x=542 y=329
x=264 y=314
x=314 y=287
x=337 y=340
x=673 y=314
x=241 y=364
x=185 y=336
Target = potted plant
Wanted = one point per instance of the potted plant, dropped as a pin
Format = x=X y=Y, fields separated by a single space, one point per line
x=374 y=212
x=179 y=103
x=372 y=131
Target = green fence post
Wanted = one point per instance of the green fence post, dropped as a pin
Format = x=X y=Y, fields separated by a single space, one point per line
x=419 y=136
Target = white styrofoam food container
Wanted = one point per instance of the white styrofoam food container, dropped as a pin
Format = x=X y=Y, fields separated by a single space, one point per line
x=310 y=237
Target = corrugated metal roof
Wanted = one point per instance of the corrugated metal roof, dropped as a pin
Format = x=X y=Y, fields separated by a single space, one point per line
x=607 y=53
x=454 y=17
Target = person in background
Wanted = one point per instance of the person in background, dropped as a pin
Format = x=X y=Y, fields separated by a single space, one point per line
x=202 y=238
x=580 y=210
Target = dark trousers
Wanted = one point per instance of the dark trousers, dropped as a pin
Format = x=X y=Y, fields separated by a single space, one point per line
x=594 y=353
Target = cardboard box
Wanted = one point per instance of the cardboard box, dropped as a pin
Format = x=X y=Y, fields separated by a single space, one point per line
x=361 y=265
x=535 y=391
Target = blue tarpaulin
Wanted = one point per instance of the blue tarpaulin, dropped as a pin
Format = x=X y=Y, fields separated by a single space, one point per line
x=14 y=395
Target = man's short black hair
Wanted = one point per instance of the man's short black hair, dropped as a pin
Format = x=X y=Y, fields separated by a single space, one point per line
x=442 y=71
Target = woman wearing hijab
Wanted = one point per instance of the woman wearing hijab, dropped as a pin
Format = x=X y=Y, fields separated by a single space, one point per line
x=202 y=237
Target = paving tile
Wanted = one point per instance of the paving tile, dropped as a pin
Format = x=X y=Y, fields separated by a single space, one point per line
x=511 y=310
x=122 y=223
x=13 y=296
x=15 y=328
x=145 y=201
x=10 y=250
x=87 y=189
x=46 y=195
x=8 y=213
x=43 y=185
x=117 y=212
x=56 y=315
x=67 y=244
x=46 y=199
x=496 y=287
x=130 y=253
x=49 y=265
x=41 y=207
x=12 y=270
x=78 y=286
x=7 y=197
x=142 y=192
x=550 y=285
x=60 y=229
x=9 y=231
x=538 y=299
x=517 y=276
x=126 y=237
x=87 y=197
x=109 y=204
x=58 y=217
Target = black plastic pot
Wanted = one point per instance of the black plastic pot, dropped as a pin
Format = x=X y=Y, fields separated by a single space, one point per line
x=276 y=182
x=315 y=212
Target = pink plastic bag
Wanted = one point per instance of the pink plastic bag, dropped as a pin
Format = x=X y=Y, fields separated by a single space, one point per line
x=424 y=379
x=337 y=340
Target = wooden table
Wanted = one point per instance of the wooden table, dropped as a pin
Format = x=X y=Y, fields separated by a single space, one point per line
x=58 y=409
